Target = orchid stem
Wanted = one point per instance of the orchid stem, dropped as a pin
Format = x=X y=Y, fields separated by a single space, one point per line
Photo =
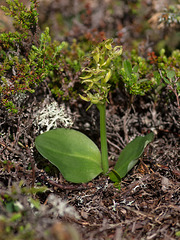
x=104 y=149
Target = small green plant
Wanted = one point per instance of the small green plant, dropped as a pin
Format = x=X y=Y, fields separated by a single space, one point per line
x=134 y=83
x=27 y=57
x=172 y=82
x=15 y=70
x=166 y=73
x=76 y=156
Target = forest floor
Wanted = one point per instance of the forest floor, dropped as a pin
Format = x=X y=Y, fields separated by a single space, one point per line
x=147 y=206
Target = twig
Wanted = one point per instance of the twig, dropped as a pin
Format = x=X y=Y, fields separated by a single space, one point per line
x=114 y=145
x=11 y=149
x=67 y=187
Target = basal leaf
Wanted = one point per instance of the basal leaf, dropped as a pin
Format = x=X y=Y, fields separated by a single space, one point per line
x=130 y=154
x=72 y=152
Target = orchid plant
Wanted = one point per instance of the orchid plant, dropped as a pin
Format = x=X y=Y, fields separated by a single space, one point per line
x=77 y=156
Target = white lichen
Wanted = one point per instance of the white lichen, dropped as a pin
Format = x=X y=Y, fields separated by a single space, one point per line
x=61 y=208
x=52 y=116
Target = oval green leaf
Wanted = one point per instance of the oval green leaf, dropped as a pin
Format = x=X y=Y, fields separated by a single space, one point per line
x=73 y=153
x=130 y=154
